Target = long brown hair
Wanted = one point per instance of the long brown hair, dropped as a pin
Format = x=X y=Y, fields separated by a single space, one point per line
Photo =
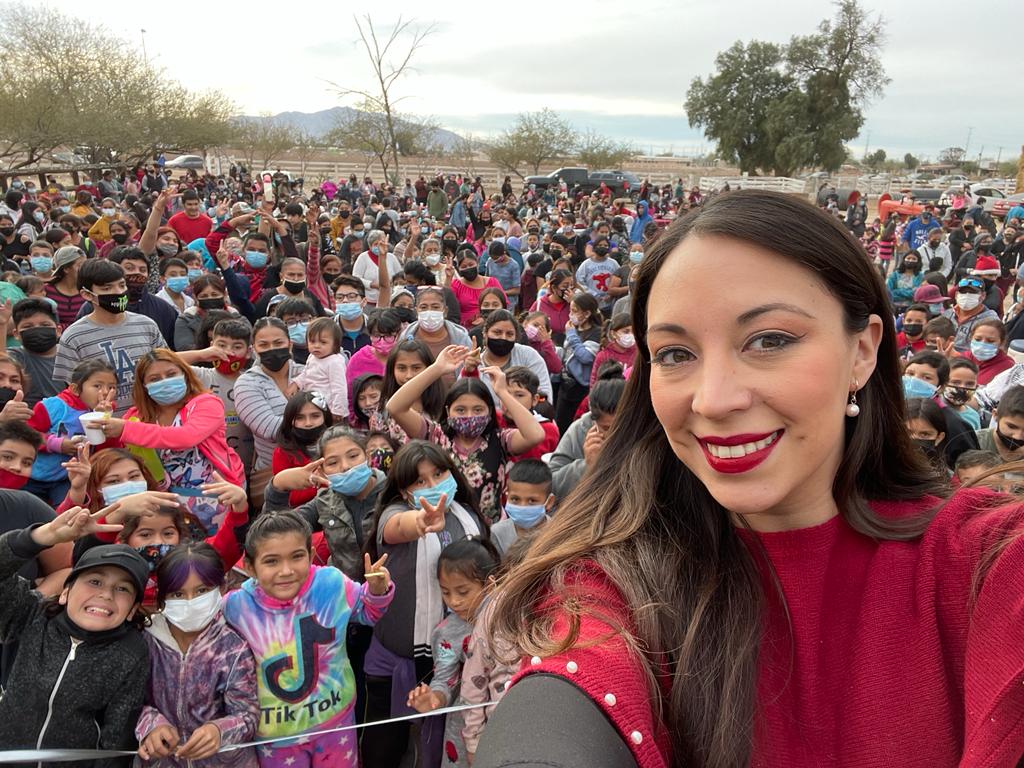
x=101 y=464
x=147 y=408
x=692 y=587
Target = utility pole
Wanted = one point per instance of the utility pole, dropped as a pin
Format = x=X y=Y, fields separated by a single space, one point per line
x=145 y=58
x=967 y=145
x=867 y=143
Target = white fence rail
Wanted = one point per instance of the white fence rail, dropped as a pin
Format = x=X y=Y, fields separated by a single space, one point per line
x=774 y=183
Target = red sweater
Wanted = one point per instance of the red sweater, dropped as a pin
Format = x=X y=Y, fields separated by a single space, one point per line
x=611 y=352
x=284 y=459
x=895 y=661
x=989 y=369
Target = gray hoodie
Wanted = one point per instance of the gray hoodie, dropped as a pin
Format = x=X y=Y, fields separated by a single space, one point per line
x=567 y=463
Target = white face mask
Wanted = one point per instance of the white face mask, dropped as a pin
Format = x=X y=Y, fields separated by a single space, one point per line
x=968 y=301
x=432 y=259
x=431 y=320
x=626 y=340
x=192 y=615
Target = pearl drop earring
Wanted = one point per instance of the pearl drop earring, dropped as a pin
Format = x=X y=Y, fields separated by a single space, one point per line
x=852 y=409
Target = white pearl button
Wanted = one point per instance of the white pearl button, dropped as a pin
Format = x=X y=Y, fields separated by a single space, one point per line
x=572 y=667
x=535 y=660
x=636 y=737
x=609 y=699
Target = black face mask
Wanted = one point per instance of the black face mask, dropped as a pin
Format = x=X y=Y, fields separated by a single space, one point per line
x=275 y=359
x=930 y=449
x=212 y=302
x=1011 y=443
x=601 y=250
x=469 y=274
x=448 y=244
x=532 y=231
x=6 y=231
x=136 y=286
x=120 y=238
x=307 y=435
x=295 y=286
x=330 y=277
x=500 y=347
x=115 y=303
x=405 y=314
x=39 y=339
x=913 y=329
x=6 y=395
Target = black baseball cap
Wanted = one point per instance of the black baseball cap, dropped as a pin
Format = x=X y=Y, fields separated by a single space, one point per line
x=119 y=555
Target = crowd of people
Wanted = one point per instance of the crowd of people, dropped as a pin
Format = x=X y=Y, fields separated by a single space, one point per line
x=305 y=431
x=268 y=455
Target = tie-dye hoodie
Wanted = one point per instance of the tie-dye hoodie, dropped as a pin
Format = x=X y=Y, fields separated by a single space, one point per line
x=303 y=674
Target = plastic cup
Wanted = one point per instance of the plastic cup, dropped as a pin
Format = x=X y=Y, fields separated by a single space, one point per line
x=91 y=425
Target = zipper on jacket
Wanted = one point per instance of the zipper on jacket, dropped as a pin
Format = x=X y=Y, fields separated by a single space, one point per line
x=53 y=693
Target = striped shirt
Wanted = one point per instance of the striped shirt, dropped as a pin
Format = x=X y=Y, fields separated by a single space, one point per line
x=120 y=345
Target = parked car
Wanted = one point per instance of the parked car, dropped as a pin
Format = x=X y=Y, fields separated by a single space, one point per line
x=617 y=181
x=571 y=176
x=1001 y=207
x=194 y=162
x=991 y=195
x=952 y=180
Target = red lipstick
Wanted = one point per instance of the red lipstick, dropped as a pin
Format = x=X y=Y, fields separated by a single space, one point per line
x=732 y=465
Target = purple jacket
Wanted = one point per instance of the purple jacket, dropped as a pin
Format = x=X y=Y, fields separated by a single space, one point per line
x=214 y=682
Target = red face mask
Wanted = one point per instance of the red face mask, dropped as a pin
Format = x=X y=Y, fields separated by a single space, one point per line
x=232 y=365
x=11 y=481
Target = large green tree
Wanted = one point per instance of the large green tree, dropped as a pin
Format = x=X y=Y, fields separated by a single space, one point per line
x=781 y=108
x=534 y=139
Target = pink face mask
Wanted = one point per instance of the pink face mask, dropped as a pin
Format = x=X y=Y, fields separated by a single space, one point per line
x=531 y=331
x=383 y=345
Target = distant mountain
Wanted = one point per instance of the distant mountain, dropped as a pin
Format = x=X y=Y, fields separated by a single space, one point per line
x=319 y=123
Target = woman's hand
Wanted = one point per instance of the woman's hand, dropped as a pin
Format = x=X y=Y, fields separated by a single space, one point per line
x=228 y=494
x=378 y=578
x=69 y=445
x=160 y=742
x=592 y=445
x=111 y=427
x=472 y=360
x=16 y=409
x=73 y=524
x=301 y=478
x=204 y=742
x=145 y=503
x=424 y=699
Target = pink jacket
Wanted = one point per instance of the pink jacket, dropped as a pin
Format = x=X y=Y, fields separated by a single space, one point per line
x=202 y=425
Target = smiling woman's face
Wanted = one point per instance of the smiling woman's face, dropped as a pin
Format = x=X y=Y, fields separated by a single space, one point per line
x=750 y=380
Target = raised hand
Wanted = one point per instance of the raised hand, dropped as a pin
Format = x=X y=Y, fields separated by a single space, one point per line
x=144 y=503
x=16 y=409
x=5 y=313
x=378 y=578
x=300 y=478
x=592 y=445
x=472 y=361
x=78 y=469
x=430 y=517
x=451 y=357
x=228 y=494
x=73 y=524
x=497 y=376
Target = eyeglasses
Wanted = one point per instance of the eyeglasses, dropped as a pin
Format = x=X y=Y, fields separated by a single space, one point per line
x=347 y=297
x=298 y=321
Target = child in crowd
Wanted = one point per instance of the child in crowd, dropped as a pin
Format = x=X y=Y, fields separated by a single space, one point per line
x=36 y=326
x=19 y=445
x=408 y=359
x=92 y=388
x=973 y=464
x=305 y=419
x=524 y=386
x=174 y=276
x=294 y=615
x=384 y=327
x=618 y=344
x=464 y=571
x=202 y=682
x=366 y=399
x=381 y=448
x=960 y=388
x=529 y=504
x=1006 y=435
x=325 y=366
x=79 y=678
x=582 y=343
x=537 y=327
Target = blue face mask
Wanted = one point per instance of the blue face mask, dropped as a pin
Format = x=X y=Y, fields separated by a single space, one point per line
x=448 y=487
x=177 y=284
x=351 y=481
x=983 y=350
x=635 y=257
x=41 y=263
x=112 y=493
x=256 y=259
x=194 y=274
x=167 y=391
x=297 y=333
x=350 y=310
x=525 y=517
x=914 y=387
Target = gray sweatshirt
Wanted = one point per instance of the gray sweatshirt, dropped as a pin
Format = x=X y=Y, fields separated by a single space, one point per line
x=567 y=462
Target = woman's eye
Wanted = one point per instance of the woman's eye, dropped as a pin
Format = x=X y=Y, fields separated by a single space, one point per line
x=672 y=356
x=771 y=342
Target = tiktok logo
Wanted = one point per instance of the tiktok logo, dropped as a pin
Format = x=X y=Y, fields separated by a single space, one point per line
x=308 y=634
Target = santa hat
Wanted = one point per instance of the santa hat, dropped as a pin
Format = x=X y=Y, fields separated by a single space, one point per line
x=986 y=266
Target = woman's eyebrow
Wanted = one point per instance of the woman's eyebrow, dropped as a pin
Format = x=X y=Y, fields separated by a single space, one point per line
x=753 y=314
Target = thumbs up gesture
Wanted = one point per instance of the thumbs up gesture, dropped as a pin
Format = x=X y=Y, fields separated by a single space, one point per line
x=16 y=409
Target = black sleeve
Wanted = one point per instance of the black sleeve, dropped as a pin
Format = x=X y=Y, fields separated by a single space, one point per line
x=546 y=722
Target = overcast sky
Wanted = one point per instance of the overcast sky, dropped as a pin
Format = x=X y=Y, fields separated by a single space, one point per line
x=620 y=68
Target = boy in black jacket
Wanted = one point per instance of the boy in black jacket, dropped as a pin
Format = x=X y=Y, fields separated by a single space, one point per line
x=80 y=675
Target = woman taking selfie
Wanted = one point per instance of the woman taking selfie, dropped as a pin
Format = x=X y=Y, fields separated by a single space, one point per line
x=792 y=585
